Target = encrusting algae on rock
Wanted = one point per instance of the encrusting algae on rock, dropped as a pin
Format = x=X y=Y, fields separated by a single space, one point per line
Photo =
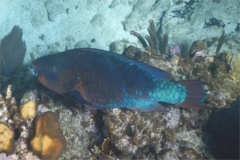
x=6 y=139
x=48 y=142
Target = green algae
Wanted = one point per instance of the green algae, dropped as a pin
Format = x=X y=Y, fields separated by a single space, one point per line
x=222 y=76
x=226 y=77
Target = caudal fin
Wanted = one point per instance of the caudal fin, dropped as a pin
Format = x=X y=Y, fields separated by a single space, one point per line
x=195 y=94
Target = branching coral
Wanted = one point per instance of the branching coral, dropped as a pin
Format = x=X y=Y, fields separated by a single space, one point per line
x=151 y=38
x=221 y=71
x=164 y=43
x=150 y=47
x=140 y=38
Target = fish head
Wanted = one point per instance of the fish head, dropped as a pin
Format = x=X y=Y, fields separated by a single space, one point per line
x=56 y=72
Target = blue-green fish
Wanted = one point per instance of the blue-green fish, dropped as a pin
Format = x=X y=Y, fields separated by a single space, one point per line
x=103 y=79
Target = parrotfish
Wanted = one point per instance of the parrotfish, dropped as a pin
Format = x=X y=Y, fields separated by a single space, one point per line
x=104 y=79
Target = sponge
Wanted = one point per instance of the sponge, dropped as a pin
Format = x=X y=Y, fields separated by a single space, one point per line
x=28 y=110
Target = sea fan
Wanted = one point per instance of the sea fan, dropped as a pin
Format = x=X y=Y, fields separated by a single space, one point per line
x=12 y=51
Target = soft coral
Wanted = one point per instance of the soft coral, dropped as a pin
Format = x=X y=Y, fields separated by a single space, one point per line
x=12 y=51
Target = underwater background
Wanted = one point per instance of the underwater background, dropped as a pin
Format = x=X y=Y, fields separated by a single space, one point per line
x=197 y=40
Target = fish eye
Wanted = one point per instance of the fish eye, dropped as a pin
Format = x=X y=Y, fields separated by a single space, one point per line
x=55 y=68
x=32 y=69
x=35 y=73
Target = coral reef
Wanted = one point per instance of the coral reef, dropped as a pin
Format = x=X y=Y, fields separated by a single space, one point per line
x=125 y=134
x=48 y=141
x=78 y=127
x=181 y=136
x=6 y=138
x=9 y=113
x=80 y=132
x=155 y=135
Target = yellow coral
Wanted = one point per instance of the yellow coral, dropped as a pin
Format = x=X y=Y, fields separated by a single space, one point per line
x=28 y=110
x=235 y=76
x=6 y=138
x=49 y=148
x=48 y=141
x=226 y=81
x=233 y=61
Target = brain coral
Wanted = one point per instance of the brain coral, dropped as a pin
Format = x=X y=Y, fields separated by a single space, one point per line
x=48 y=142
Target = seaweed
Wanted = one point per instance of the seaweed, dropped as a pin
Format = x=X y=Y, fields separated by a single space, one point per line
x=237 y=29
x=214 y=22
x=152 y=40
x=152 y=34
x=12 y=51
x=220 y=42
x=164 y=43
x=187 y=10
x=140 y=38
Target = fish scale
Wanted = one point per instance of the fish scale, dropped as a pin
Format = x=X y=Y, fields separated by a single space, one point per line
x=169 y=92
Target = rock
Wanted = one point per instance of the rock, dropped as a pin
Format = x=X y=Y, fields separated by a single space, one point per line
x=141 y=135
x=111 y=20
x=82 y=44
x=54 y=9
x=198 y=49
x=98 y=21
x=221 y=132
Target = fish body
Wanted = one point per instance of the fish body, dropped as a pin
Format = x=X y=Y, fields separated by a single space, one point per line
x=104 y=79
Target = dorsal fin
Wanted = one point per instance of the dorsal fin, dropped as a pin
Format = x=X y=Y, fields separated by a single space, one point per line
x=155 y=72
